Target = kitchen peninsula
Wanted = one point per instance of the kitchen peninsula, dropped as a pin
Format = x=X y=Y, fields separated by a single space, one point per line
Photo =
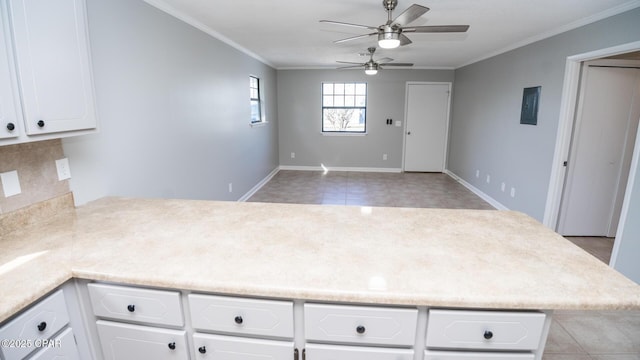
x=435 y=264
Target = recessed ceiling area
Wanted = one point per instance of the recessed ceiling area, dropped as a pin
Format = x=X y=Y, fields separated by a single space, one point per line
x=287 y=34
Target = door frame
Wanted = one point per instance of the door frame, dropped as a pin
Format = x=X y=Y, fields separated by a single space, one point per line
x=563 y=138
x=447 y=125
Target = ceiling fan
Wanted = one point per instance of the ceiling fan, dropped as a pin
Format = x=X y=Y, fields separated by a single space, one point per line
x=371 y=67
x=390 y=35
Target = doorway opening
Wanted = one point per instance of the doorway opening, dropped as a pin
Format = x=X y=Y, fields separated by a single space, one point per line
x=565 y=142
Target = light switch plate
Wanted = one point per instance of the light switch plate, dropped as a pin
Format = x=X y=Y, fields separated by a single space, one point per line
x=64 y=172
x=398 y=123
x=10 y=183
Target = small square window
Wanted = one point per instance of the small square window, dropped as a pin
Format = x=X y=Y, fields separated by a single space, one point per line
x=344 y=107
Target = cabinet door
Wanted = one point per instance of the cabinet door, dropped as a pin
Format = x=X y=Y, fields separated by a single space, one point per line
x=40 y=322
x=63 y=347
x=337 y=352
x=132 y=342
x=54 y=71
x=10 y=116
x=236 y=348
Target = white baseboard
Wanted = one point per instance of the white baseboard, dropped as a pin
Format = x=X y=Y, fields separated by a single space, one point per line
x=493 y=202
x=338 y=168
x=258 y=186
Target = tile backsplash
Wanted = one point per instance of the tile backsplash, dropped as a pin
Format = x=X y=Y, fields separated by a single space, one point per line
x=36 y=167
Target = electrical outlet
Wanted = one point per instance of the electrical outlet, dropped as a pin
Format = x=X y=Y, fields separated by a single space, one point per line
x=230 y=187
x=513 y=192
x=398 y=123
x=384 y=156
x=10 y=183
x=62 y=166
x=293 y=155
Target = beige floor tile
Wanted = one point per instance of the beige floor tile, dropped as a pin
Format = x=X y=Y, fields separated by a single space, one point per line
x=559 y=341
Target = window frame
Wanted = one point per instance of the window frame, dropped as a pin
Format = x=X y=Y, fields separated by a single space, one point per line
x=260 y=101
x=362 y=108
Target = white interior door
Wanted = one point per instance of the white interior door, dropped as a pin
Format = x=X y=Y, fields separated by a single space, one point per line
x=427 y=125
x=601 y=150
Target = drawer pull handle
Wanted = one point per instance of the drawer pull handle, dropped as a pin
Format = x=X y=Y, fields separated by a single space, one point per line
x=360 y=329
x=488 y=335
x=40 y=123
x=131 y=308
x=172 y=345
x=42 y=326
x=11 y=126
x=202 y=349
x=238 y=320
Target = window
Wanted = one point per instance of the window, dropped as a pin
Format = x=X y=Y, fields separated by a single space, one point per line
x=344 y=107
x=255 y=97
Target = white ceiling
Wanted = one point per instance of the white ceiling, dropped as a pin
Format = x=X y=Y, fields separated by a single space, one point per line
x=287 y=33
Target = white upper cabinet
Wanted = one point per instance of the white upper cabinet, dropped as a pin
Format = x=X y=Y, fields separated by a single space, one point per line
x=10 y=114
x=53 y=66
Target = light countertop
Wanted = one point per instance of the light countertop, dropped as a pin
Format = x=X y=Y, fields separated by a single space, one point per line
x=429 y=257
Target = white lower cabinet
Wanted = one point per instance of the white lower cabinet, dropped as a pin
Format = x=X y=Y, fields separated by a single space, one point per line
x=237 y=348
x=132 y=342
x=456 y=355
x=63 y=347
x=35 y=329
x=342 y=352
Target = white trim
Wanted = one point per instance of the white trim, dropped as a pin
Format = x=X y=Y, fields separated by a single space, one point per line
x=493 y=202
x=564 y=28
x=565 y=124
x=163 y=6
x=259 y=185
x=339 y=168
x=406 y=108
x=633 y=172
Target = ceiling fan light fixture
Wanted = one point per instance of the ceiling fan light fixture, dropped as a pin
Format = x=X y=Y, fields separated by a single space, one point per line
x=389 y=38
x=371 y=69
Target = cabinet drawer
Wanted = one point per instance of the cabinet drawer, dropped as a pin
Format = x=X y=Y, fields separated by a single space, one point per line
x=133 y=304
x=231 y=348
x=242 y=316
x=126 y=341
x=336 y=352
x=484 y=330
x=41 y=321
x=360 y=324
x=63 y=347
x=455 y=355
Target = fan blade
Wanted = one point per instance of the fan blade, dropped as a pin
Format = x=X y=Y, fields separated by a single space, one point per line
x=349 y=24
x=384 y=60
x=412 y=13
x=349 y=62
x=397 y=64
x=404 y=40
x=437 y=29
x=353 y=38
x=349 y=67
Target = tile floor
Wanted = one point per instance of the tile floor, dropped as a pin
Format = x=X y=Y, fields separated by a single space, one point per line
x=574 y=335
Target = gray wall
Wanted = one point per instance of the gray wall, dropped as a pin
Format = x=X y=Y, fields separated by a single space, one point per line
x=300 y=111
x=485 y=130
x=174 y=111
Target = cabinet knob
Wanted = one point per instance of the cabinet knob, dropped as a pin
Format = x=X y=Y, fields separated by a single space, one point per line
x=11 y=127
x=360 y=329
x=131 y=308
x=40 y=123
x=238 y=320
x=488 y=334
x=202 y=349
x=172 y=345
x=42 y=326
